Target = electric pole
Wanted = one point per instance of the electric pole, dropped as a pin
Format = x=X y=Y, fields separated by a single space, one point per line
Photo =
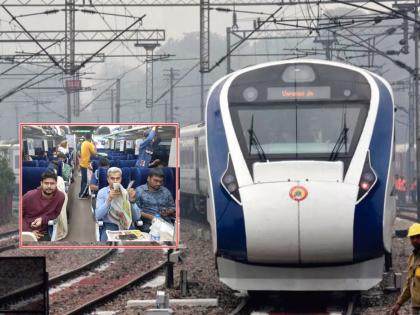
x=118 y=100
x=171 y=76
x=112 y=105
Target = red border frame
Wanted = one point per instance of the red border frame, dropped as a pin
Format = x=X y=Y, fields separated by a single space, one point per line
x=177 y=228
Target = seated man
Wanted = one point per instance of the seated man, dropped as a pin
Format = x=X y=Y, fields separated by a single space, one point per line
x=110 y=203
x=153 y=198
x=94 y=180
x=41 y=205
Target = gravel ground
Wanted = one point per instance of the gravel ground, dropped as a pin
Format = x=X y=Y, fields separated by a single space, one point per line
x=375 y=303
x=204 y=283
x=14 y=240
x=203 y=280
x=125 y=265
x=198 y=260
x=11 y=226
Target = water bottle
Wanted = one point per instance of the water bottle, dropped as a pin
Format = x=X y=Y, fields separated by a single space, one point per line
x=155 y=228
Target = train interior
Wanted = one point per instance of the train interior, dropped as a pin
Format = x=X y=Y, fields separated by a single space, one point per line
x=119 y=144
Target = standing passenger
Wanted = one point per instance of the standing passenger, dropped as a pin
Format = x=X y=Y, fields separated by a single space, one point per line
x=146 y=148
x=402 y=190
x=86 y=151
x=412 y=285
x=413 y=190
x=63 y=147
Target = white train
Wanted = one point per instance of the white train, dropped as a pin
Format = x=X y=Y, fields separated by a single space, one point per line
x=299 y=164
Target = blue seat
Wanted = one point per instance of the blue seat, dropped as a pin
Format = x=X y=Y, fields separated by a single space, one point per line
x=139 y=175
x=42 y=163
x=31 y=178
x=126 y=176
x=170 y=180
x=127 y=163
x=30 y=163
x=40 y=158
x=60 y=168
x=135 y=175
x=102 y=176
x=114 y=163
x=95 y=165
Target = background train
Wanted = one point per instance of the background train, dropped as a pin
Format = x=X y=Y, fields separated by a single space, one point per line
x=300 y=169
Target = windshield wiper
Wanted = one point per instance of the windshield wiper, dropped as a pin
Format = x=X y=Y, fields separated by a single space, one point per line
x=342 y=140
x=253 y=140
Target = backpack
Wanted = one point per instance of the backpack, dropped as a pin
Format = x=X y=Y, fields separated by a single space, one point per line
x=66 y=171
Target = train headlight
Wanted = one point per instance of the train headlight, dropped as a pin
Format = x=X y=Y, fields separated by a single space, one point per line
x=368 y=179
x=229 y=182
x=250 y=94
x=299 y=73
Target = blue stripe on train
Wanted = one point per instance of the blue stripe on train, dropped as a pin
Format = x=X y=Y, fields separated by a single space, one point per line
x=368 y=220
x=230 y=224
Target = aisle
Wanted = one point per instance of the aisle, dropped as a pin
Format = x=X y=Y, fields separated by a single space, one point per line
x=81 y=222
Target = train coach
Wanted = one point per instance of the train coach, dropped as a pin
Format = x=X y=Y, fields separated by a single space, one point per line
x=299 y=160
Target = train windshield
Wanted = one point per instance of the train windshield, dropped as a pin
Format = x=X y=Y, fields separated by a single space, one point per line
x=279 y=131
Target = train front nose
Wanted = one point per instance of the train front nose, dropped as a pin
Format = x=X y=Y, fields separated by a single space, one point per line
x=299 y=221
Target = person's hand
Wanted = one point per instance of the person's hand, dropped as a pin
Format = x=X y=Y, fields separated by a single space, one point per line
x=395 y=309
x=132 y=194
x=38 y=234
x=113 y=194
x=157 y=161
x=36 y=223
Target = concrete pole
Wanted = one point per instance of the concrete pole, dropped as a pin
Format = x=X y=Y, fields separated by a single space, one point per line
x=118 y=100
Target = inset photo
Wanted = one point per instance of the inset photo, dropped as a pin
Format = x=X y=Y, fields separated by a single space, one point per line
x=90 y=185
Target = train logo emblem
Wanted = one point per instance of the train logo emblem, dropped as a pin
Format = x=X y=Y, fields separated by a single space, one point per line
x=298 y=193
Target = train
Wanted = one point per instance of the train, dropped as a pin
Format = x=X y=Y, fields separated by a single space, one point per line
x=299 y=165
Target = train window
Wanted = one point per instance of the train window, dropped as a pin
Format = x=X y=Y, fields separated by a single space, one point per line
x=287 y=129
x=319 y=128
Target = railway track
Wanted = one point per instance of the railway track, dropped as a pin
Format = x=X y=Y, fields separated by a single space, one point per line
x=291 y=303
x=27 y=291
x=6 y=239
x=407 y=213
x=8 y=234
x=8 y=247
x=93 y=303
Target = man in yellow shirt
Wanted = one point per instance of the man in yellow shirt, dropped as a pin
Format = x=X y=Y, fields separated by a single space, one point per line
x=86 y=151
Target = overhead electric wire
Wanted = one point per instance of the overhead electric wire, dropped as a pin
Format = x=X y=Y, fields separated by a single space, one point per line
x=231 y=50
x=24 y=86
x=34 y=39
x=107 y=44
x=29 y=57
